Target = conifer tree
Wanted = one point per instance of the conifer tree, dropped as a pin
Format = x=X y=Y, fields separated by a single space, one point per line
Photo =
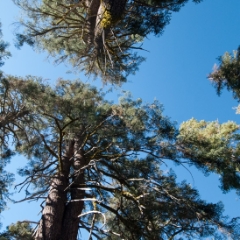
x=98 y=37
x=97 y=166
x=226 y=75
x=6 y=116
x=4 y=53
x=18 y=231
x=211 y=146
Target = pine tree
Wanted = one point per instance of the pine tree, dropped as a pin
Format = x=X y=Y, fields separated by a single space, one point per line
x=4 y=54
x=97 y=166
x=227 y=73
x=6 y=116
x=98 y=37
x=211 y=146
x=18 y=231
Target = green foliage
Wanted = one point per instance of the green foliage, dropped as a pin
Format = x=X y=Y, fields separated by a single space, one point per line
x=169 y=205
x=126 y=193
x=213 y=147
x=18 y=231
x=227 y=73
x=96 y=36
x=5 y=153
x=124 y=145
x=4 y=54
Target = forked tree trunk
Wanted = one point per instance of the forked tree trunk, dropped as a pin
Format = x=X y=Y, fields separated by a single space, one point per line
x=60 y=218
x=52 y=215
x=74 y=208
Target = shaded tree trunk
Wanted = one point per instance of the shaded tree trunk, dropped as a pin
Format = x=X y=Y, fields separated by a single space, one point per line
x=109 y=12
x=51 y=221
x=74 y=208
x=99 y=30
x=52 y=215
x=93 y=6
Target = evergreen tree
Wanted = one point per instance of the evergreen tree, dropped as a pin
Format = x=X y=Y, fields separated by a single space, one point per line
x=4 y=54
x=227 y=73
x=18 y=231
x=211 y=146
x=6 y=116
x=97 y=166
x=98 y=37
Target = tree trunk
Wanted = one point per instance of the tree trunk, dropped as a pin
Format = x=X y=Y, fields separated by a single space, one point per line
x=52 y=215
x=109 y=13
x=75 y=206
x=73 y=210
x=93 y=6
x=102 y=15
x=50 y=224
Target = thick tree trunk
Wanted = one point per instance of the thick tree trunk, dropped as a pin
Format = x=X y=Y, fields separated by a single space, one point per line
x=73 y=210
x=50 y=224
x=102 y=15
x=93 y=6
x=109 y=13
x=60 y=221
x=98 y=29
x=75 y=206
x=52 y=216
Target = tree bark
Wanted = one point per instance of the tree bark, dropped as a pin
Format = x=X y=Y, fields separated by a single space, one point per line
x=93 y=6
x=96 y=32
x=50 y=224
x=112 y=9
x=74 y=208
x=52 y=215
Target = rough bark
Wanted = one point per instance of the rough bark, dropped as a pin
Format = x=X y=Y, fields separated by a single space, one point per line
x=93 y=6
x=109 y=12
x=98 y=30
x=74 y=208
x=50 y=224
x=52 y=215
x=101 y=16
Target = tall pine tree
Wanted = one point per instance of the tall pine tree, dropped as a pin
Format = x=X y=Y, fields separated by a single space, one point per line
x=211 y=146
x=98 y=37
x=97 y=166
x=7 y=115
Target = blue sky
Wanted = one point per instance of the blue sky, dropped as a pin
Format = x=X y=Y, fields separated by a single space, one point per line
x=175 y=73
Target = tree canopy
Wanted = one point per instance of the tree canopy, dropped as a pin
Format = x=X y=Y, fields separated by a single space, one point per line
x=6 y=115
x=227 y=73
x=18 y=231
x=98 y=37
x=4 y=53
x=97 y=166
x=213 y=147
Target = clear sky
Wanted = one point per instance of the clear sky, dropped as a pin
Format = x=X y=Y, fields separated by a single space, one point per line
x=175 y=73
